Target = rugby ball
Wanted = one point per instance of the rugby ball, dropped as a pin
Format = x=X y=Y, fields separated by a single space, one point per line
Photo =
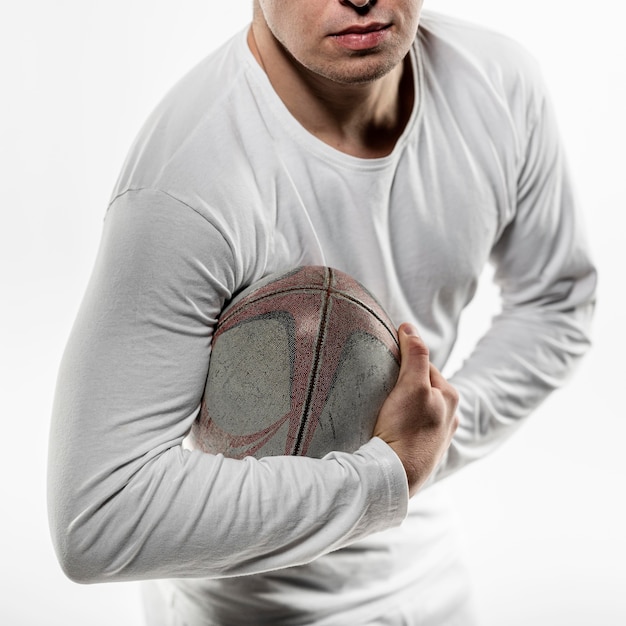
x=301 y=363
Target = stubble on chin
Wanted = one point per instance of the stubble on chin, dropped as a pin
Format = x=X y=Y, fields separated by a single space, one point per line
x=357 y=69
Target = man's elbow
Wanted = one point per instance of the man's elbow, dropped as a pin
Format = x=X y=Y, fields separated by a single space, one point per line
x=79 y=570
x=79 y=565
x=82 y=552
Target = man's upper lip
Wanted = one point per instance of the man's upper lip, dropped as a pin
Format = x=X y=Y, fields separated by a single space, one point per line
x=359 y=29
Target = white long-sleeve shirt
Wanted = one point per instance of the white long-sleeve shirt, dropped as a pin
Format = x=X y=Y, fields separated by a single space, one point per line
x=223 y=186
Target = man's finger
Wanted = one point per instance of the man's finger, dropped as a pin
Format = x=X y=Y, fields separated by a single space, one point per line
x=436 y=377
x=415 y=357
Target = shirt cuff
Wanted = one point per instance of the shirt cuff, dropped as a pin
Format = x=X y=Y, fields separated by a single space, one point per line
x=395 y=485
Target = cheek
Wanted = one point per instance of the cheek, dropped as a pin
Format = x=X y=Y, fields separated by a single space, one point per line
x=288 y=25
x=411 y=18
x=413 y=11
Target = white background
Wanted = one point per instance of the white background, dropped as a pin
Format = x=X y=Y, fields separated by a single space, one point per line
x=543 y=518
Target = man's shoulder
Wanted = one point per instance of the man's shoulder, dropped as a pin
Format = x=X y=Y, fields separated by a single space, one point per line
x=206 y=85
x=457 y=31
x=473 y=63
x=190 y=125
x=451 y=40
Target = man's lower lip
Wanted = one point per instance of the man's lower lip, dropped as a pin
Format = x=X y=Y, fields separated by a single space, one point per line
x=361 y=41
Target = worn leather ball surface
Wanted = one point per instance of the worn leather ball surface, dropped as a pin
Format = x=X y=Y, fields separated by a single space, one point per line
x=301 y=363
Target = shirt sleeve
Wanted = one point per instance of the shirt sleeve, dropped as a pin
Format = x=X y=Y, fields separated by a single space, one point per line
x=126 y=500
x=547 y=284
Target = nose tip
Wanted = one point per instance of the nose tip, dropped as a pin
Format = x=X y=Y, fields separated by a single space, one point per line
x=360 y=4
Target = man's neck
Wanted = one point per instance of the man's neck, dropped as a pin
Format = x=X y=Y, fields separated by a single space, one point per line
x=363 y=120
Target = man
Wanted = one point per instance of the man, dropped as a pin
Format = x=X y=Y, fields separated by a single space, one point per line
x=404 y=149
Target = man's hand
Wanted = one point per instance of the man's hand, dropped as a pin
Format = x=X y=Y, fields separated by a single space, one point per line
x=419 y=417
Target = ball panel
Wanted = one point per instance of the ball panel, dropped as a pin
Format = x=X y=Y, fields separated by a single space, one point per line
x=311 y=278
x=345 y=286
x=250 y=376
x=343 y=319
x=369 y=371
x=207 y=436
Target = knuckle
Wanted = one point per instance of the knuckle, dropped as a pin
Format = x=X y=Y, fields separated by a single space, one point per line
x=418 y=347
x=453 y=394
x=414 y=393
x=414 y=345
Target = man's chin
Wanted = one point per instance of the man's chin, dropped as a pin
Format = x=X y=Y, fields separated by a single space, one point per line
x=356 y=71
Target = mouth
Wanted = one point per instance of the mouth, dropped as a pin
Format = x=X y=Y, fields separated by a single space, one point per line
x=362 y=29
x=360 y=37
